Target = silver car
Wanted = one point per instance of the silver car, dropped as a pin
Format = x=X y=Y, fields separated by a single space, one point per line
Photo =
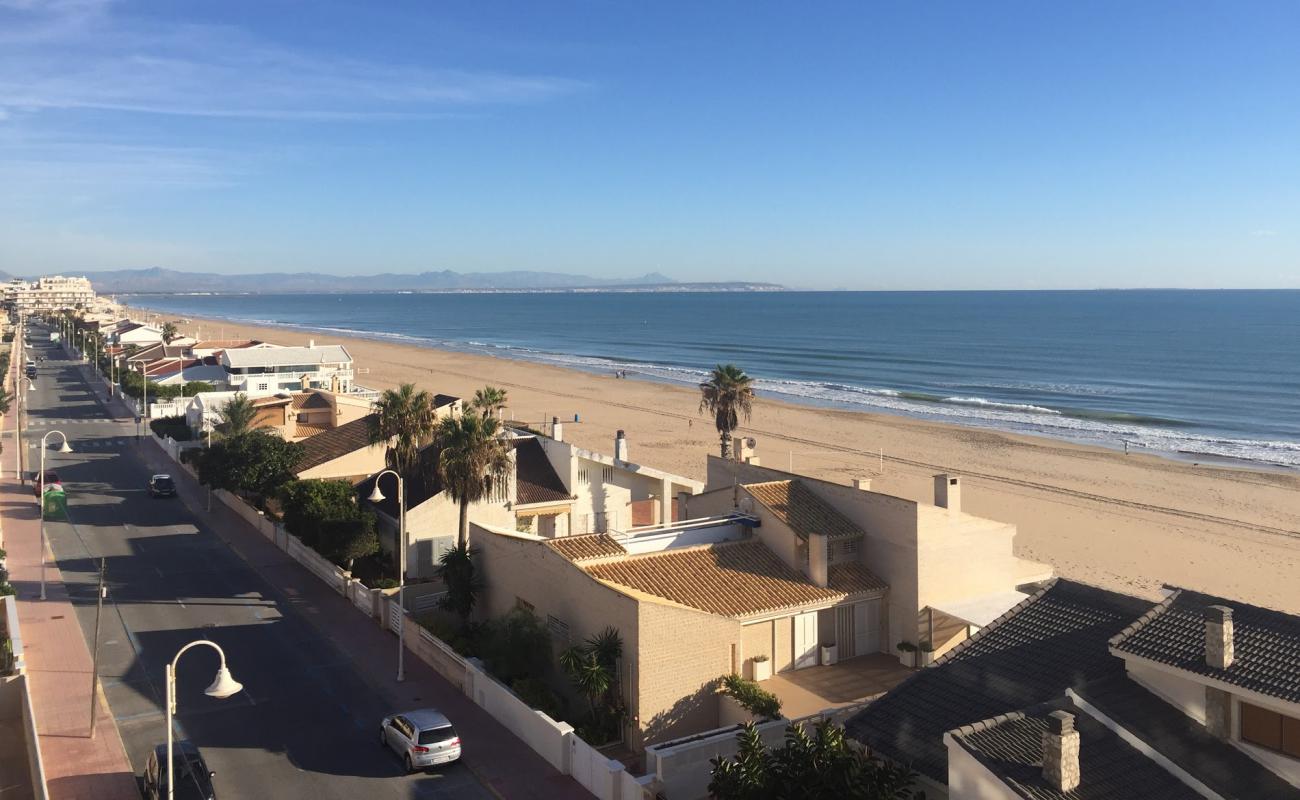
x=423 y=738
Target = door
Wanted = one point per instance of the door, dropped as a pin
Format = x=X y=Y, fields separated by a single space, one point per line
x=844 y=629
x=805 y=640
x=866 y=627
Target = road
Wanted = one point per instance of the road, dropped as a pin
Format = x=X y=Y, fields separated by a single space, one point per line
x=306 y=724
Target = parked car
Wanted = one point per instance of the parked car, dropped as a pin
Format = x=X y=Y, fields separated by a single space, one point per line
x=48 y=479
x=422 y=738
x=193 y=779
x=162 y=486
x=31 y=370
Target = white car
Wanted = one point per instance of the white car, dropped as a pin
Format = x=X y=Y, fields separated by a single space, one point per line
x=423 y=738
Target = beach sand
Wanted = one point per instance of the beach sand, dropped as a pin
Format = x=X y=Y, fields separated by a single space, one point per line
x=1124 y=522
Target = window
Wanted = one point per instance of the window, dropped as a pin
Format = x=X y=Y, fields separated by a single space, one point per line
x=607 y=474
x=583 y=476
x=559 y=630
x=261 y=387
x=1270 y=730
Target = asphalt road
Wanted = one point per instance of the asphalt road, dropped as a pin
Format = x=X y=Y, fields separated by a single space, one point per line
x=306 y=724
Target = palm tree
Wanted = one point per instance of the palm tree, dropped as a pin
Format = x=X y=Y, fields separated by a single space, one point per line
x=473 y=461
x=403 y=420
x=489 y=401
x=169 y=332
x=456 y=568
x=237 y=416
x=727 y=394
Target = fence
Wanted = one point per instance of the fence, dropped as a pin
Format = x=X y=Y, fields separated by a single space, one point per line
x=554 y=741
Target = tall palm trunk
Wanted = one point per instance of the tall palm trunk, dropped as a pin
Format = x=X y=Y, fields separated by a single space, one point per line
x=463 y=538
x=725 y=436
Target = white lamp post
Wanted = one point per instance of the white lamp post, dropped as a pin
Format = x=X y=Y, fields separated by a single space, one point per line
x=375 y=497
x=223 y=686
x=40 y=483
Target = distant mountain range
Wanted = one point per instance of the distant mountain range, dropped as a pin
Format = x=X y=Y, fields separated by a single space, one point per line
x=167 y=281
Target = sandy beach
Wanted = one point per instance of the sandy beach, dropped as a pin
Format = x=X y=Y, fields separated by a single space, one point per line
x=1126 y=522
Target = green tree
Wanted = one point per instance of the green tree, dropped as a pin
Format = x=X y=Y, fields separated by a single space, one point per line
x=237 y=416
x=255 y=463
x=5 y=400
x=473 y=462
x=489 y=400
x=727 y=395
x=404 y=420
x=516 y=647
x=808 y=767
x=327 y=518
x=458 y=573
x=169 y=332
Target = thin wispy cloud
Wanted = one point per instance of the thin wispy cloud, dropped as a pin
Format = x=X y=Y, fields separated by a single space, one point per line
x=1263 y=233
x=78 y=54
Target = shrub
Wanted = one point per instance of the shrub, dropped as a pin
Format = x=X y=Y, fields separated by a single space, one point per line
x=385 y=583
x=516 y=647
x=538 y=695
x=753 y=698
x=175 y=427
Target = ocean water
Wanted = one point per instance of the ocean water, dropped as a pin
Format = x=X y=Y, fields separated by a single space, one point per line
x=1191 y=373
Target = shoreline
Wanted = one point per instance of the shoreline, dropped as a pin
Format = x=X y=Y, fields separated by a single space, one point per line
x=1118 y=441
x=1130 y=523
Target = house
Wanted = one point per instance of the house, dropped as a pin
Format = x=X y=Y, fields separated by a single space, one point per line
x=1083 y=693
x=607 y=492
x=176 y=372
x=317 y=410
x=257 y=370
x=136 y=333
x=949 y=572
x=204 y=348
x=555 y=489
x=341 y=453
x=692 y=602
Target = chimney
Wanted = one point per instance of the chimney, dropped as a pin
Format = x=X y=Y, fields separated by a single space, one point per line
x=947 y=492
x=1218 y=637
x=557 y=429
x=620 y=446
x=311 y=342
x=862 y=484
x=818 y=559
x=1061 y=752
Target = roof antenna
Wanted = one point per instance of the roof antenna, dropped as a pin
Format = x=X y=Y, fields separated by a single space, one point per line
x=735 y=490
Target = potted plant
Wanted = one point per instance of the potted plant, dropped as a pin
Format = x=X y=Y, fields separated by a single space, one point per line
x=926 y=654
x=829 y=653
x=907 y=652
x=762 y=668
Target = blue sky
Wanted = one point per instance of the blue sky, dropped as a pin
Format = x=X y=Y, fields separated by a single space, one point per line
x=856 y=145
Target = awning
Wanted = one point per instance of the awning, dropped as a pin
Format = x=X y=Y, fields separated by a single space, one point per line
x=980 y=611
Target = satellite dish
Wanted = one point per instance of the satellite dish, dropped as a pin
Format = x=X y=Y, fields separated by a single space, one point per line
x=751 y=442
x=747 y=504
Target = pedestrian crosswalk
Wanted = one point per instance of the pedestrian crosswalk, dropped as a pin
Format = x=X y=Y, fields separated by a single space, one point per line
x=108 y=443
x=45 y=422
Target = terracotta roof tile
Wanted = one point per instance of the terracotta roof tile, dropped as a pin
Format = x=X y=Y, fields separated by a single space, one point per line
x=853 y=578
x=310 y=400
x=805 y=512
x=586 y=546
x=310 y=428
x=732 y=580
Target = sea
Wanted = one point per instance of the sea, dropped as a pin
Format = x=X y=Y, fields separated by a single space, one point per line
x=1205 y=375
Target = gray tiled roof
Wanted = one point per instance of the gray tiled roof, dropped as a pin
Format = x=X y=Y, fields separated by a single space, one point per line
x=1055 y=640
x=1185 y=742
x=1266 y=643
x=1011 y=747
x=335 y=443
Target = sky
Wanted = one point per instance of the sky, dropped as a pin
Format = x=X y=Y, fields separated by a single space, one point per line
x=862 y=145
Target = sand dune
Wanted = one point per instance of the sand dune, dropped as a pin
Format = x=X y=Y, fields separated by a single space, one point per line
x=1129 y=523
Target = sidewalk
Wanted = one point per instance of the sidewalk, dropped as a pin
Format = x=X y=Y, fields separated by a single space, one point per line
x=502 y=762
x=77 y=766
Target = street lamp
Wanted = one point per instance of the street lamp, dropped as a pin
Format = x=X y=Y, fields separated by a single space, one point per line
x=223 y=686
x=377 y=496
x=40 y=499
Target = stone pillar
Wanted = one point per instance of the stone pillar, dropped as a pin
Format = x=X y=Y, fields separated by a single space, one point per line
x=1218 y=713
x=1218 y=637
x=1061 y=752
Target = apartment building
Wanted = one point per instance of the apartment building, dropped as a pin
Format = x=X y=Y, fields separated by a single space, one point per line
x=49 y=293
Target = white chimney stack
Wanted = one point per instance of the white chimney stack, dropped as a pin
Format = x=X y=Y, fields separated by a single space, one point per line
x=862 y=484
x=1061 y=752
x=311 y=342
x=1218 y=637
x=947 y=492
x=620 y=446
x=557 y=429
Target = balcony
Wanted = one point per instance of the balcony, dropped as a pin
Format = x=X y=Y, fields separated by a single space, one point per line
x=808 y=691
